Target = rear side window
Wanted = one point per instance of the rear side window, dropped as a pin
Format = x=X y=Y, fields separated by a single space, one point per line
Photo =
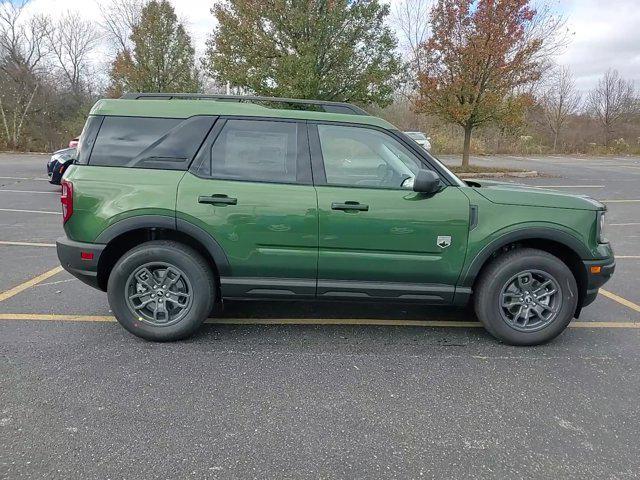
x=87 y=138
x=142 y=142
x=255 y=150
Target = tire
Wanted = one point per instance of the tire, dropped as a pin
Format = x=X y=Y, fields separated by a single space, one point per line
x=506 y=278
x=187 y=300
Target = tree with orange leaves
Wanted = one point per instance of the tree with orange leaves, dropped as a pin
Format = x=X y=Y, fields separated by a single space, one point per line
x=479 y=58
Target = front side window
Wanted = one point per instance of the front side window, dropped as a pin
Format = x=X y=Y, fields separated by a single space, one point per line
x=255 y=150
x=357 y=156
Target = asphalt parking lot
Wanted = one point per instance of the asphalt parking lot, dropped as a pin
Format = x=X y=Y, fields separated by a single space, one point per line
x=282 y=390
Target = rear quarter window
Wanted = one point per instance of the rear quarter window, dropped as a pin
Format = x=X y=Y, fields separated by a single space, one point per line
x=144 y=142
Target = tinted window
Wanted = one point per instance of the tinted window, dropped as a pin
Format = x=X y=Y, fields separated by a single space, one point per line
x=255 y=150
x=87 y=138
x=355 y=156
x=165 y=143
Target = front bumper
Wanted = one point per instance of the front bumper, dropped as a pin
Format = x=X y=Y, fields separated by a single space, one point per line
x=70 y=254
x=596 y=280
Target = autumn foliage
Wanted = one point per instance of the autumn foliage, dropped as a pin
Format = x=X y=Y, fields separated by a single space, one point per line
x=479 y=57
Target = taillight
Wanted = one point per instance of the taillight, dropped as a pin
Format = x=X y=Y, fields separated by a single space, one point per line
x=66 y=199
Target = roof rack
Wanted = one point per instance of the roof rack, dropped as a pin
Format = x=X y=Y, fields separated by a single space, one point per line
x=326 y=106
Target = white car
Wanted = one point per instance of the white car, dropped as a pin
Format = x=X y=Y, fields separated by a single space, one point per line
x=420 y=138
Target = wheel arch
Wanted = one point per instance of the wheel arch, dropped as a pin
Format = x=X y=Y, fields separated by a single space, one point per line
x=556 y=242
x=130 y=232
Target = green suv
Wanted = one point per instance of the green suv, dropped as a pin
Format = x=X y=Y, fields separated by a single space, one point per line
x=176 y=203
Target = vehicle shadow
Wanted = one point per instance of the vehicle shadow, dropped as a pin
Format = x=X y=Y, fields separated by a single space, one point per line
x=343 y=310
x=337 y=327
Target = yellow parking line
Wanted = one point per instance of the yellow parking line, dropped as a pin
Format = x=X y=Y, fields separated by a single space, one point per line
x=28 y=284
x=604 y=325
x=305 y=321
x=628 y=257
x=620 y=300
x=27 y=244
x=620 y=201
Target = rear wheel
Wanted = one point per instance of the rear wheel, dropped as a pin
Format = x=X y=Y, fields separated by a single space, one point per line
x=526 y=297
x=161 y=290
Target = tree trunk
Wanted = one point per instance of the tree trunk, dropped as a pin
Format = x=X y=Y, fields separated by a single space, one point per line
x=467 y=146
x=555 y=141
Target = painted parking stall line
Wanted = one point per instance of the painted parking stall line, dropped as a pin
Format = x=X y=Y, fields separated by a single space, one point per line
x=27 y=244
x=25 y=178
x=29 y=283
x=620 y=300
x=15 y=210
x=36 y=192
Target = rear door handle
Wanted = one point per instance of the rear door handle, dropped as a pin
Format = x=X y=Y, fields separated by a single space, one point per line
x=349 y=206
x=217 y=199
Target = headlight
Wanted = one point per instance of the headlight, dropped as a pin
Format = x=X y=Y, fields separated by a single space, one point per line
x=602 y=238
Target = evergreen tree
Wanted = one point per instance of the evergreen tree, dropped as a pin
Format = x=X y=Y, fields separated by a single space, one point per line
x=162 y=58
x=323 y=49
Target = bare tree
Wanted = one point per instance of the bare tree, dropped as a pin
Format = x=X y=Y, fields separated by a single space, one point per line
x=411 y=18
x=611 y=102
x=22 y=54
x=559 y=101
x=119 y=18
x=72 y=40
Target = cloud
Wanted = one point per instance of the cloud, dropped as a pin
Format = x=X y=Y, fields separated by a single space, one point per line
x=606 y=34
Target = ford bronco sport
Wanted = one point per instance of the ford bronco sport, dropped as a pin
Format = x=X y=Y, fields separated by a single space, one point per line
x=175 y=203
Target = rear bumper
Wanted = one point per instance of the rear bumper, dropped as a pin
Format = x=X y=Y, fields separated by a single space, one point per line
x=596 y=280
x=70 y=256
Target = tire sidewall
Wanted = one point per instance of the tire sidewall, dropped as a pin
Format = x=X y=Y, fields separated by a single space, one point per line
x=187 y=261
x=489 y=309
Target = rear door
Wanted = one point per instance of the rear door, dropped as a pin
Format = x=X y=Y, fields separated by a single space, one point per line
x=250 y=188
x=378 y=238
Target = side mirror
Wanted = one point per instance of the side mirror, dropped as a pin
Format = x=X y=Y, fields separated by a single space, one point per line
x=426 y=181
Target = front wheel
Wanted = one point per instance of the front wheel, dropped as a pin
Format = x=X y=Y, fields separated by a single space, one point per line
x=161 y=290
x=526 y=297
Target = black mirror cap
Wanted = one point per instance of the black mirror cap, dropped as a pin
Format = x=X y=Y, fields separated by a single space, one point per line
x=426 y=181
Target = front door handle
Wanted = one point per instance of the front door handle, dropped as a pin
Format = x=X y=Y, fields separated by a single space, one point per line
x=217 y=199
x=349 y=206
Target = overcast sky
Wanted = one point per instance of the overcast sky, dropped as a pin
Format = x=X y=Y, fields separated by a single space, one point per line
x=606 y=33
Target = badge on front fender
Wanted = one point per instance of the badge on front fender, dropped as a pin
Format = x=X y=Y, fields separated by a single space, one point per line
x=443 y=241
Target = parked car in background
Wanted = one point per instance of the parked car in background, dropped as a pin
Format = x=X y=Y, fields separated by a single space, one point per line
x=420 y=138
x=58 y=164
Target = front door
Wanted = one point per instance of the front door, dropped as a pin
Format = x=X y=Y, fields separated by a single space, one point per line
x=250 y=188
x=378 y=238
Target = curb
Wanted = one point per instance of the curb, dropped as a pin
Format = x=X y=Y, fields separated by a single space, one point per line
x=527 y=174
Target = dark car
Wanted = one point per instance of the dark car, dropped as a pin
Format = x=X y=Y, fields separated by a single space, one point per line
x=58 y=164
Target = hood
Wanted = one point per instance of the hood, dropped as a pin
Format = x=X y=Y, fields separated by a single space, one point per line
x=525 y=195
